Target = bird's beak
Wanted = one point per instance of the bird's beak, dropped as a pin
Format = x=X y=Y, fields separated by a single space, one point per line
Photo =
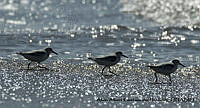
x=55 y=52
x=124 y=56
x=182 y=65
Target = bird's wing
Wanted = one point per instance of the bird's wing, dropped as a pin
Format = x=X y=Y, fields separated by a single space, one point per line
x=162 y=66
x=107 y=58
x=167 y=66
x=34 y=53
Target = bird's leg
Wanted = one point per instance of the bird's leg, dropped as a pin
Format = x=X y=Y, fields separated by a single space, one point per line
x=29 y=64
x=111 y=71
x=42 y=66
x=103 y=70
x=170 y=78
x=156 y=77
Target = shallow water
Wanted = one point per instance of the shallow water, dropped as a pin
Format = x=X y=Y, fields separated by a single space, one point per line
x=148 y=32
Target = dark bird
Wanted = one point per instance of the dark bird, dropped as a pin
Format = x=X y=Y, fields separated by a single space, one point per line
x=166 y=68
x=108 y=61
x=37 y=55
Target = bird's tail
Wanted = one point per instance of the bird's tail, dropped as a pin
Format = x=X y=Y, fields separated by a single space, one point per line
x=20 y=53
x=150 y=66
x=90 y=58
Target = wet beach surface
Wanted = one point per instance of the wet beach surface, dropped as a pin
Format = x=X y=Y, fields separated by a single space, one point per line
x=68 y=84
x=148 y=32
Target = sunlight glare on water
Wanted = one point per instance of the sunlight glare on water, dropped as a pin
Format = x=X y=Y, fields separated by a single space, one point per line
x=148 y=32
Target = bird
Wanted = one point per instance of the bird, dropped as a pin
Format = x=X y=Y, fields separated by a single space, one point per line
x=37 y=55
x=108 y=61
x=166 y=68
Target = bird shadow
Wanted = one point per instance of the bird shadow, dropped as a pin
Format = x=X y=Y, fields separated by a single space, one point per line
x=36 y=69
x=108 y=76
x=160 y=83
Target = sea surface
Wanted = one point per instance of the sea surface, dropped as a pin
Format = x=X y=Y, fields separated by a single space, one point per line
x=147 y=31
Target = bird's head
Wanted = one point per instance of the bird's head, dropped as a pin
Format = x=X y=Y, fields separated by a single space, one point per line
x=177 y=62
x=119 y=53
x=50 y=50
